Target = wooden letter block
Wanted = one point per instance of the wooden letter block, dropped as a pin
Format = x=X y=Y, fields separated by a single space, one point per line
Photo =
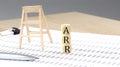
x=66 y=38
x=66 y=29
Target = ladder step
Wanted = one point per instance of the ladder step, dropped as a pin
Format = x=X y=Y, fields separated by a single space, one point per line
x=30 y=36
x=33 y=32
x=32 y=22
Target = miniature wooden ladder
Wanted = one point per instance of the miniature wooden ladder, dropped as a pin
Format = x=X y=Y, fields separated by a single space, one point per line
x=26 y=22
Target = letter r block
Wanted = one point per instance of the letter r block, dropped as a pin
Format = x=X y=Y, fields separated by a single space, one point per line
x=66 y=49
x=66 y=39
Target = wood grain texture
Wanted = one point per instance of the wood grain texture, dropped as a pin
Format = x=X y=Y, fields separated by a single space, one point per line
x=80 y=22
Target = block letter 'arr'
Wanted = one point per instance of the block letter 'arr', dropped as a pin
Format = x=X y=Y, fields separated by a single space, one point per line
x=66 y=39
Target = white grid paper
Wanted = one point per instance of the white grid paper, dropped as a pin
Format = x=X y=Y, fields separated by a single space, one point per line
x=88 y=50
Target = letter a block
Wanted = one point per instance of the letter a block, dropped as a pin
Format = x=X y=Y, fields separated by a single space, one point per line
x=66 y=38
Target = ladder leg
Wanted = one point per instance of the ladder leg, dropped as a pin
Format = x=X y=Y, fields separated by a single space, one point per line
x=41 y=37
x=42 y=43
x=48 y=32
x=21 y=30
x=41 y=29
x=50 y=36
x=28 y=33
x=21 y=33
